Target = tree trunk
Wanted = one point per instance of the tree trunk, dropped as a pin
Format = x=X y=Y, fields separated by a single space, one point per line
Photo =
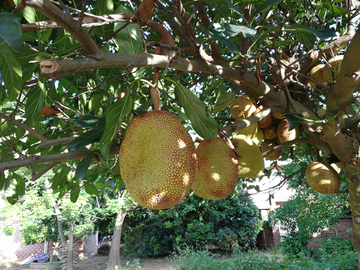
x=57 y=212
x=70 y=258
x=114 y=256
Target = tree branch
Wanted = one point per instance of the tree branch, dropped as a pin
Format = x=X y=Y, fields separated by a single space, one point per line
x=67 y=22
x=51 y=158
x=23 y=126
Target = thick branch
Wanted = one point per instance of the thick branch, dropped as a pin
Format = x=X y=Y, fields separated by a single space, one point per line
x=51 y=158
x=68 y=23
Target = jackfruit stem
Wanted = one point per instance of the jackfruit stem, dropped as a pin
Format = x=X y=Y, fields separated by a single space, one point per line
x=155 y=98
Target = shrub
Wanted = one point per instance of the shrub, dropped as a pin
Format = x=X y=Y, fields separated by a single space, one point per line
x=198 y=223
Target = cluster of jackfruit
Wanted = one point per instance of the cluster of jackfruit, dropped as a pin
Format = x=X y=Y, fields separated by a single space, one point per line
x=267 y=133
x=159 y=162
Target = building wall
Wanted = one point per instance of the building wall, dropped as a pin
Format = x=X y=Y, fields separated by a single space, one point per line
x=12 y=249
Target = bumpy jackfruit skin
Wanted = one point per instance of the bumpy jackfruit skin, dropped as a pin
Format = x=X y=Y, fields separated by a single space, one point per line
x=251 y=162
x=157 y=160
x=217 y=170
x=322 y=178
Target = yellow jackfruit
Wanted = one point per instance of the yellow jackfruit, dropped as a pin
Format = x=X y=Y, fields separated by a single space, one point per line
x=286 y=135
x=259 y=137
x=251 y=162
x=270 y=144
x=217 y=170
x=243 y=107
x=249 y=131
x=157 y=160
x=322 y=178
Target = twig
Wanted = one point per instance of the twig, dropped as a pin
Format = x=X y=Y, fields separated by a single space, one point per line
x=23 y=126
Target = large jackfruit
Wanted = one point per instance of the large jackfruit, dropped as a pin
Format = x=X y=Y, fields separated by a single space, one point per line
x=157 y=160
x=322 y=177
x=217 y=170
x=251 y=163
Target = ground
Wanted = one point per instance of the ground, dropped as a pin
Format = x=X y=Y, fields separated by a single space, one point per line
x=100 y=262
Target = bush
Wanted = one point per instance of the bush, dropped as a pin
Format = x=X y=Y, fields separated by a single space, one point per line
x=202 y=260
x=198 y=223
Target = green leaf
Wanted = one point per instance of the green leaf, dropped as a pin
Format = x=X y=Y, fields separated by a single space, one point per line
x=265 y=5
x=322 y=34
x=29 y=14
x=86 y=138
x=294 y=119
x=222 y=39
x=91 y=189
x=224 y=99
x=233 y=30
x=195 y=110
x=35 y=103
x=114 y=118
x=105 y=7
x=75 y=192
x=20 y=184
x=234 y=8
x=83 y=167
x=11 y=72
x=10 y=31
x=89 y=121
x=128 y=39
x=305 y=38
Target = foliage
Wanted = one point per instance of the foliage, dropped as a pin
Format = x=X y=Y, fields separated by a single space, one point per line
x=204 y=260
x=36 y=215
x=306 y=213
x=197 y=223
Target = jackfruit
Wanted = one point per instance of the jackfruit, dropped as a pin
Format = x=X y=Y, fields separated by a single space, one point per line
x=217 y=170
x=259 y=137
x=243 y=107
x=157 y=160
x=270 y=144
x=266 y=121
x=322 y=178
x=251 y=162
x=270 y=133
x=323 y=73
x=249 y=131
x=286 y=135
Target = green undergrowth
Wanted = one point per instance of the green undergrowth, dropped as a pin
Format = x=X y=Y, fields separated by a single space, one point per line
x=203 y=260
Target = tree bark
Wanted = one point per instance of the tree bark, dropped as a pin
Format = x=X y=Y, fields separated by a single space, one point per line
x=114 y=256
x=70 y=258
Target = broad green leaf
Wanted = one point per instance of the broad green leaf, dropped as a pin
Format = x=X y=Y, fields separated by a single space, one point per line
x=89 y=121
x=83 y=167
x=233 y=30
x=321 y=34
x=222 y=39
x=89 y=137
x=35 y=103
x=10 y=31
x=234 y=8
x=265 y=5
x=114 y=118
x=11 y=72
x=305 y=38
x=20 y=184
x=105 y=7
x=74 y=193
x=29 y=14
x=224 y=99
x=128 y=39
x=91 y=189
x=195 y=110
x=294 y=119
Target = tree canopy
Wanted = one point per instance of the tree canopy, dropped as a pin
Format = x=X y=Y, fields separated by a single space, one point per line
x=73 y=75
